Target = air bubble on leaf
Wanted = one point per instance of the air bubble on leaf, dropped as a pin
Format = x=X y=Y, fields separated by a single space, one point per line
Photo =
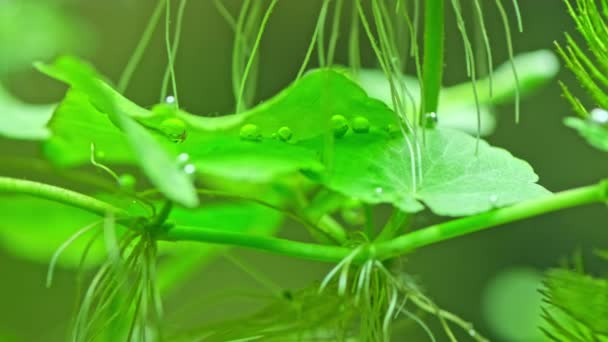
x=494 y=199
x=430 y=120
x=379 y=190
x=285 y=133
x=472 y=332
x=170 y=99
x=250 y=132
x=127 y=181
x=183 y=158
x=599 y=116
x=360 y=124
x=190 y=169
x=339 y=125
x=99 y=154
x=174 y=128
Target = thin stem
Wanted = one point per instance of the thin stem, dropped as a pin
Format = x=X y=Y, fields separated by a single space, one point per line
x=406 y=243
x=140 y=48
x=254 y=50
x=176 y=39
x=309 y=251
x=170 y=52
x=443 y=231
x=54 y=193
x=432 y=66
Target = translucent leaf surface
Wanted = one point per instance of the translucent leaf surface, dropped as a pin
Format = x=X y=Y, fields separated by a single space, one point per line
x=455 y=181
x=595 y=134
x=157 y=161
x=20 y=120
x=457 y=107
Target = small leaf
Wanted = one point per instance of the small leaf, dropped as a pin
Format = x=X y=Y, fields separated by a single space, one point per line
x=595 y=134
x=153 y=156
x=20 y=120
x=455 y=180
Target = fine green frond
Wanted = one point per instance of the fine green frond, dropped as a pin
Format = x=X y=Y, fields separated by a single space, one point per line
x=577 y=306
x=589 y=70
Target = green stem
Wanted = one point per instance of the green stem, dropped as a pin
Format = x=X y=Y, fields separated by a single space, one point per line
x=54 y=193
x=405 y=243
x=286 y=247
x=432 y=67
x=444 y=231
x=140 y=48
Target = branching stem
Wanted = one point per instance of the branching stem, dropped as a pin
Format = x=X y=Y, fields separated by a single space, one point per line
x=380 y=250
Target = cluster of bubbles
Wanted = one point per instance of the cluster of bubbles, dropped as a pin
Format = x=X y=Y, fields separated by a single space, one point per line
x=183 y=160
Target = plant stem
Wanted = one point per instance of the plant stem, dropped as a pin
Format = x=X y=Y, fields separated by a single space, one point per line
x=302 y=250
x=443 y=231
x=61 y=195
x=432 y=67
x=406 y=243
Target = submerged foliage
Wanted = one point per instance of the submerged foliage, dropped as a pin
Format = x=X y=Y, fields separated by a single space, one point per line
x=335 y=141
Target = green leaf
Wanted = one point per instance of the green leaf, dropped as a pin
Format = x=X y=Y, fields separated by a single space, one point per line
x=153 y=155
x=455 y=180
x=20 y=120
x=579 y=305
x=595 y=134
x=33 y=229
x=76 y=124
x=217 y=145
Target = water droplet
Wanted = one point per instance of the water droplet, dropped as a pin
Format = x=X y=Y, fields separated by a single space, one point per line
x=285 y=133
x=127 y=181
x=174 y=128
x=183 y=158
x=99 y=154
x=430 y=120
x=170 y=99
x=599 y=116
x=189 y=169
x=250 y=132
x=360 y=124
x=339 y=125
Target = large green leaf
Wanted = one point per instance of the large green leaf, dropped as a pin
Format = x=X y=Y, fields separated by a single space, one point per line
x=595 y=134
x=20 y=120
x=372 y=164
x=154 y=155
x=456 y=180
x=304 y=109
x=33 y=229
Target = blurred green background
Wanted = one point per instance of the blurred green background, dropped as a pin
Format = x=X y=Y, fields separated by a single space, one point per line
x=466 y=275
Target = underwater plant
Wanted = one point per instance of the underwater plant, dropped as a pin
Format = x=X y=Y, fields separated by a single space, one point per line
x=352 y=155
